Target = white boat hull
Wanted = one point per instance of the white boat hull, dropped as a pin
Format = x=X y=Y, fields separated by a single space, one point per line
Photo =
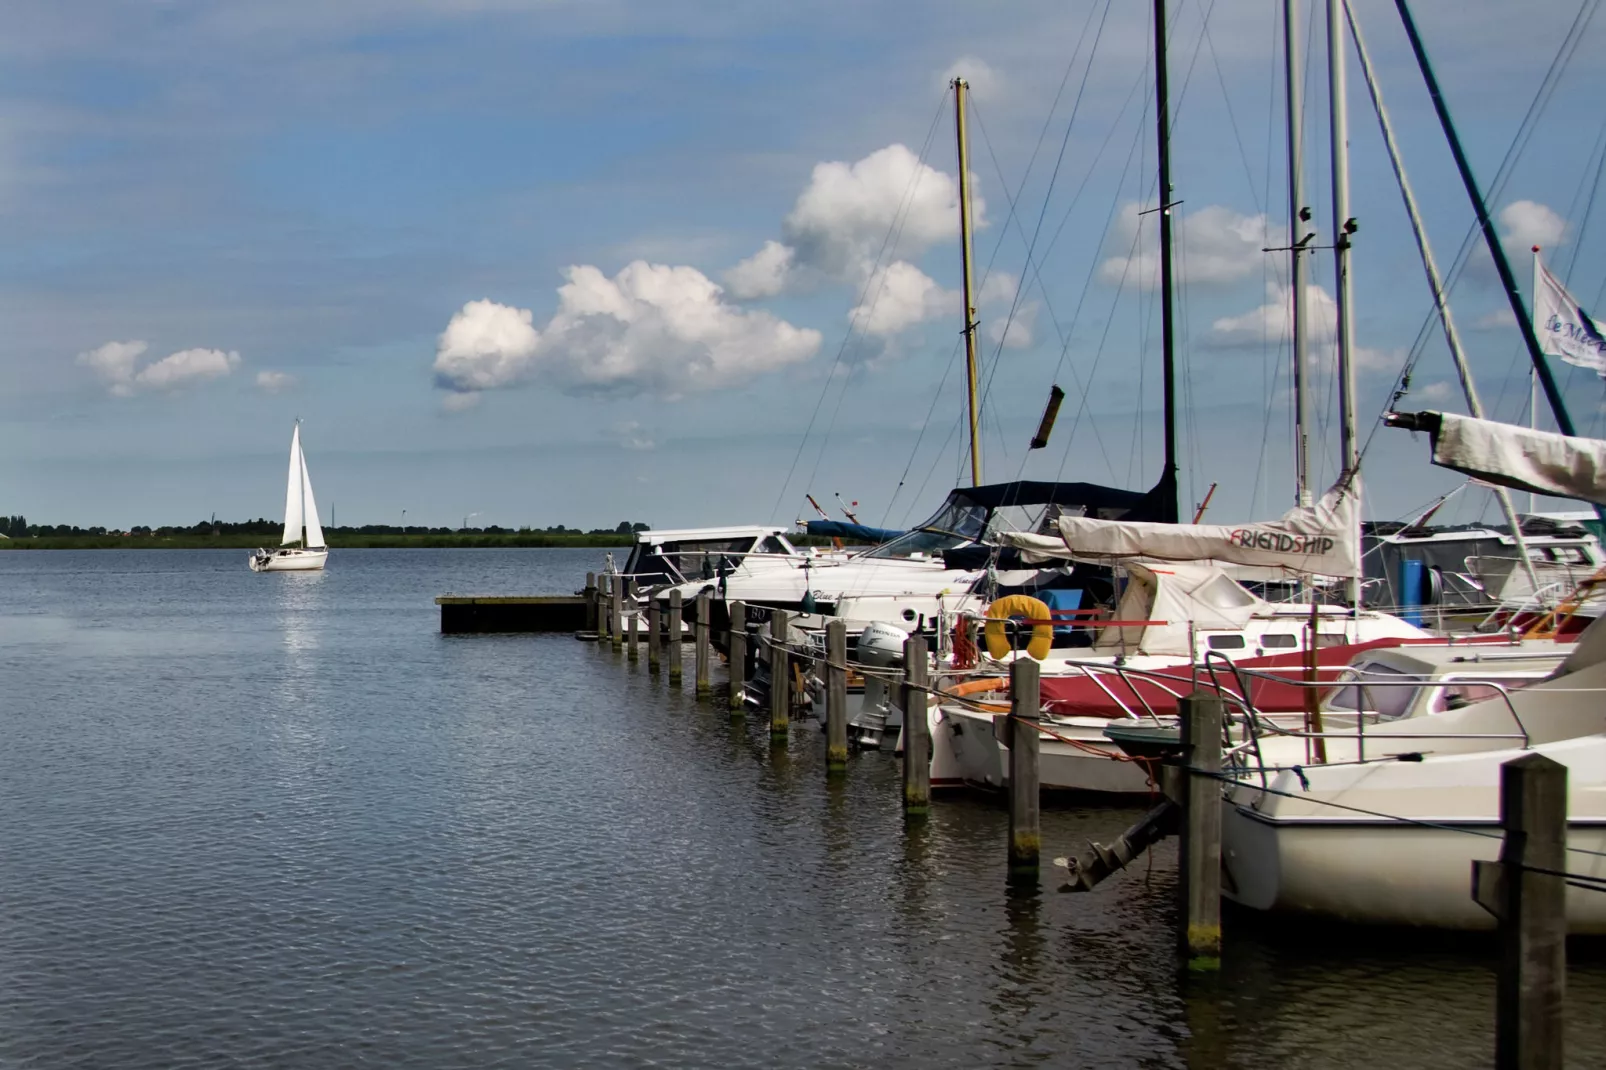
x=288 y=560
x=1090 y=764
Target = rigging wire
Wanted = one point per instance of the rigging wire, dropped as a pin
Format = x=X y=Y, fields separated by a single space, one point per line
x=847 y=337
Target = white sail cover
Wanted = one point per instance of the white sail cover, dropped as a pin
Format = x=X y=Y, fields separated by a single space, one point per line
x=309 y=510
x=1178 y=599
x=1563 y=328
x=292 y=493
x=1322 y=539
x=1539 y=461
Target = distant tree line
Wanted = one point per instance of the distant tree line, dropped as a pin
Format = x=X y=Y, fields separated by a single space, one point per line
x=17 y=527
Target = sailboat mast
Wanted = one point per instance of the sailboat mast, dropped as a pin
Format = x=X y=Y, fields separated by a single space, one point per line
x=1296 y=266
x=960 y=87
x=1343 y=226
x=1168 y=371
x=302 y=468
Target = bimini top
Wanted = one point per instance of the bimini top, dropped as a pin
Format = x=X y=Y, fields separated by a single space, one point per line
x=663 y=535
x=1096 y=500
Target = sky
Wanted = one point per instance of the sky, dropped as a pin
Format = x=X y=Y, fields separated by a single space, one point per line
x=538 y=262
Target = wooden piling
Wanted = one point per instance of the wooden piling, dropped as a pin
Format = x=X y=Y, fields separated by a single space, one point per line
x=591 y=602
x=780 y=679
x=836 y=697
x=672 y=654
x=916 y=740
x=1528 y=897
x=632 y=621
x=704 y=644
x=1199 y=855
x=1025 y=825
x=737 y=611
x=604 y=605
x=655 y=637
x=616 y=619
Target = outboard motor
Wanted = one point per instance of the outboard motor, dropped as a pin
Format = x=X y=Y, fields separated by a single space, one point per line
x=879 y=720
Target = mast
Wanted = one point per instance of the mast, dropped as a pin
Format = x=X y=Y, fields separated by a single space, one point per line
x=1435 y=282
x=302 y=467
x=1343 y=227
x=1168 y=371
x=960 y=86
x=1296 y=268
x=1558 y=407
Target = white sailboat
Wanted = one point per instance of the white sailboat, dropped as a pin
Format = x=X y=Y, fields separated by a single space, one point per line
x=302 y=549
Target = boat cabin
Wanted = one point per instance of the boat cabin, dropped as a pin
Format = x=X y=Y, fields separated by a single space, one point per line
x=665 y=557
x=1446 y=677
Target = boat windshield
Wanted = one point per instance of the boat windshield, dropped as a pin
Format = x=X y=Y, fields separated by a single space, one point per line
x=1387 y=702
x=962 y=522
x=655 y=564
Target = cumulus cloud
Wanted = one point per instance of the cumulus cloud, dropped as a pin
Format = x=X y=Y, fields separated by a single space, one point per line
x=461 y=401
x=632 y=436
x=116 y=363
x=1524 y=224
x=837 y=231
x=651 y=328
x=272 y=382
x=1272 y=324
x=983 y=80
x=1214 y=246
x=1499 y=319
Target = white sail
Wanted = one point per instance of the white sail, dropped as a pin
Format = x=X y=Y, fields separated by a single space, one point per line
x=292 y=494
x=1315 y=539
x=309 y=510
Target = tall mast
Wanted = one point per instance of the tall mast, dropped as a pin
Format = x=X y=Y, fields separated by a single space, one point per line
x=301 y=465
x=1508 y=282
x=1343 y=227
x=1168 y=373
x=1296 y=267
x=1430 y=265
x=960 y=86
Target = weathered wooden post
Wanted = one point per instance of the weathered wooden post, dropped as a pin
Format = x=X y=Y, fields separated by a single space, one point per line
x=604 y=605
x=704 y=646
x=672 y=655
x=655 y=638
x=780 y=679
x=738 y=659
x=632 y=622
x=1525 y=892
x=836 y=697
x=591 y=602
x=916 y=740
x=1025 y=826
x=1199 y=855
x=616 y=619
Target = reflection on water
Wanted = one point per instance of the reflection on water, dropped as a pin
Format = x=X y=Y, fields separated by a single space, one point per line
x=279 y=819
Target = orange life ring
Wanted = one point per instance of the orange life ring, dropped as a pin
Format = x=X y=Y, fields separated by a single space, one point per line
x=997 y=635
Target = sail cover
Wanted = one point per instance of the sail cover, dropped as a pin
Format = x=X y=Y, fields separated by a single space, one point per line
x=292 y=493
x=1321 y=539
x=1540 y=461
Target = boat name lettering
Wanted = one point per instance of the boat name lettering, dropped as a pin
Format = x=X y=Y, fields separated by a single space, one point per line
x=1281 y=542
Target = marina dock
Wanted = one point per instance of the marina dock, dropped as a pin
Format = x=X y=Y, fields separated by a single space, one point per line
x=483 y=614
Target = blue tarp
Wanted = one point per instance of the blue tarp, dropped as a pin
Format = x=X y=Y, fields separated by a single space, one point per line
x=841 y=529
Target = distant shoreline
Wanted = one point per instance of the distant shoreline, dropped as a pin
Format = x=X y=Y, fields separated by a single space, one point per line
x=337 y=541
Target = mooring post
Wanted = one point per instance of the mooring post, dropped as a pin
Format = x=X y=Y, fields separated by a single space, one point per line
x=672 y=625
x=1199 y=856
x=632 y=621
x=1528 y=896
x=738 y=659
x=704 y=650
x=655 y=638
x=616 y=619
x=1025 y=825
x=780 y=678
x=916 y=740
x=604 y=604
x=591 y=601
x=836 y=697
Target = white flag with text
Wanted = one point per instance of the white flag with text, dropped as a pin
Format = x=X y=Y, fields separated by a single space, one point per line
x=1564 y=329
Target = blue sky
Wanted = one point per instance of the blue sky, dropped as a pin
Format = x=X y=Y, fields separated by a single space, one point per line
x=361 y=214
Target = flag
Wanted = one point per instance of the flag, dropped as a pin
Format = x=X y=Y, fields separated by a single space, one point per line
x=1564 y=329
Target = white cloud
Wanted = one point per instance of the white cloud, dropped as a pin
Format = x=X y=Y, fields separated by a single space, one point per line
x=1499 y=319
x=1436 y=392
x=1524 y=224
x=899 y=296
x=983 y=80
x=1214 y=246
x=764 y=274
x=272 y=382
x=1272 y=324
x=115 y=363
x=651 y=328
x=632 y=436
x=461 y=402
x=1018 y=334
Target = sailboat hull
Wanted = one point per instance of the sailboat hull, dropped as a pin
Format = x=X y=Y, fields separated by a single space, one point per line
x=288 y=560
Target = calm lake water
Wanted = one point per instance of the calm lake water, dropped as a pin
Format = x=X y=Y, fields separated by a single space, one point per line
x=280 y=820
